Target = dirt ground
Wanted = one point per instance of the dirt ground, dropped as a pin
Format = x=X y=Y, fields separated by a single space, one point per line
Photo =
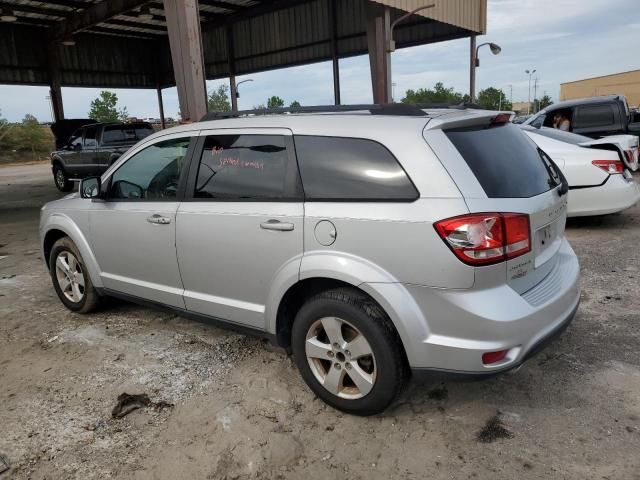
x=242 y=411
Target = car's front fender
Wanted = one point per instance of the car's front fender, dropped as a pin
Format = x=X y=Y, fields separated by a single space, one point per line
x=63 y=222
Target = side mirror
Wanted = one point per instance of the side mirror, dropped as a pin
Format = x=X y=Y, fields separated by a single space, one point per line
x=90 y=187
x=77 y=147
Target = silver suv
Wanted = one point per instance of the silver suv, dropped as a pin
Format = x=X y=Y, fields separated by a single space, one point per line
x=371 y=243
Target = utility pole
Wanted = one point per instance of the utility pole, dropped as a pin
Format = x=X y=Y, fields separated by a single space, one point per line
x=535 y=95
x=511 y=94
x=529 y=73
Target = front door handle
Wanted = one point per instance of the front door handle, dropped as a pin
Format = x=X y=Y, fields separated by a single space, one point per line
x=159 y=220
x=277 y=225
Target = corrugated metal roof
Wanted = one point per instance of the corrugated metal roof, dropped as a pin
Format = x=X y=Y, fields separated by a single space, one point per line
x=126 y=51
x=469 y=14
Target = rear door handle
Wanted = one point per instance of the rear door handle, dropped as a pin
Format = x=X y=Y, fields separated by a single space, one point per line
x=159 y=220
x=277 y=225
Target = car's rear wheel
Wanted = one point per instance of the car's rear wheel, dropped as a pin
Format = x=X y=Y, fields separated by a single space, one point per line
x=348 y=352
x=61 y=180
x=70 y=277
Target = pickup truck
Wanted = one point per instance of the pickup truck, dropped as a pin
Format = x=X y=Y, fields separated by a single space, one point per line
x=86 y=148
x=593 y=117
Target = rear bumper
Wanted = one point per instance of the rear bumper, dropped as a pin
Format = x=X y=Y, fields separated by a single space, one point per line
x=420 y=374
x=462 y=325
x=615 y=195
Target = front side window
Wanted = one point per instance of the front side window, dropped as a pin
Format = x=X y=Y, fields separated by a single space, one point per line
x=75 y=142
x=90 y=137
x=350 y=169
x=151 y=174
x=246 y=167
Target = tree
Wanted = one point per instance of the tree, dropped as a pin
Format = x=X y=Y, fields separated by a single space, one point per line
x=545 y=102
x=493 y=99
x=104 y=108
x=295 y=104
x=275 y=102
x=438 y=94
x=31 y=135
x=218 y=100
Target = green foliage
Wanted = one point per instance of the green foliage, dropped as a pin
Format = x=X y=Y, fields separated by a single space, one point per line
x=32 y=136
x=295 y=104
x=544 y=102
x=218 y=100
x=493 y=99
x=438 y=94
x=275 y=102
x=104 y=108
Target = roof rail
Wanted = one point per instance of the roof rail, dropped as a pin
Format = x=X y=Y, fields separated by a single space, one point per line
x=403 y=109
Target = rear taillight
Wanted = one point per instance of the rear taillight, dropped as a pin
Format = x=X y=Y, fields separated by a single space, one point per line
x=610 y=166
x=486 y=238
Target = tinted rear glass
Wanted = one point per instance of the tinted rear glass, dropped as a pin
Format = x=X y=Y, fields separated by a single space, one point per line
x=506 y=163
x=352 y=169
x=555 y=134
x=125 y=133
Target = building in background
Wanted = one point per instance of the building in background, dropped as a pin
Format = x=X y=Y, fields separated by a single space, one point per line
x=625 y=83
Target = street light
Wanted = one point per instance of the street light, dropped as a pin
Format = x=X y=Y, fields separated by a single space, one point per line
x=235 y=94
x=495 y=49
x=391 y=46
x=530 y=73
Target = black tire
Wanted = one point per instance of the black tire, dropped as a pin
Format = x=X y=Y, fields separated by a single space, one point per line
x=61 y=179
x=361 y=312
x=90 y=299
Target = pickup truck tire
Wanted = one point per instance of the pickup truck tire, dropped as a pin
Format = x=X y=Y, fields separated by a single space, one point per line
x=61 y=179
x=71 y=278
x=348 y=351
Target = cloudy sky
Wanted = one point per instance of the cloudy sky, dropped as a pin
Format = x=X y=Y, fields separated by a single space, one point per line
x=563 y=40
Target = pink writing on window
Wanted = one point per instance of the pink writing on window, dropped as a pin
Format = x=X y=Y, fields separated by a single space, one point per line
x=236 y=162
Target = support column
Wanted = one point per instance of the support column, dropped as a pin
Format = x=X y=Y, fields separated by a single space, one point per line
x=185 y=40
x=163 y=123
x=333 y=17
x=378 y=41
x=233 y=90
x=55 y=79
x=472 y=68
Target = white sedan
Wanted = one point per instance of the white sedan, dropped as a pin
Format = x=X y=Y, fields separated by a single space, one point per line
x=598 y=171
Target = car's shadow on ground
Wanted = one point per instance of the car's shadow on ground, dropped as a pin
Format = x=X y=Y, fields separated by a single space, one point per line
x=600 y=221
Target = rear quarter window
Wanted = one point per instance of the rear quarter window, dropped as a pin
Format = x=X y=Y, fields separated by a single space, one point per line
x=505 y=162
x=350 y=169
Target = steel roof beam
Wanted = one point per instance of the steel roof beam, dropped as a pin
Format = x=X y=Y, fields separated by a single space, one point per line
x=98 y=13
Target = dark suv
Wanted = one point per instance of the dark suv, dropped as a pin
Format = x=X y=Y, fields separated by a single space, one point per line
x=594 y=117
x=91 y=148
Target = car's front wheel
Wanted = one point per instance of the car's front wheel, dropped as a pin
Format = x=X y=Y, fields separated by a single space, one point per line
x=70 y=277
x=61 y=180
x=348 y=352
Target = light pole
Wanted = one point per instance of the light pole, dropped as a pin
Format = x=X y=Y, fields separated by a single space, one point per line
x=530 y=73
x=235 y=94
x=391 y=46
x=475 y=63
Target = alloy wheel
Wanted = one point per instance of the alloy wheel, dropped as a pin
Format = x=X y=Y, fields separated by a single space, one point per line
x=60 y=180
x=70 y=276
x=340 y=358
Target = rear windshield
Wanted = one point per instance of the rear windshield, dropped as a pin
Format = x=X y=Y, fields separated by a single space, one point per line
x=125 y=133
x=506 y=163
x=567 y=137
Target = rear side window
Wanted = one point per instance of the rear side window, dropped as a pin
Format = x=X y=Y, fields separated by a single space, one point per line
x=350 y=169
x=246 y=167
x=506 y=163
x=595 y=116
x=125 y=133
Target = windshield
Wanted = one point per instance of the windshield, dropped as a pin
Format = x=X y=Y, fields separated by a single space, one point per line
x=504 y=160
